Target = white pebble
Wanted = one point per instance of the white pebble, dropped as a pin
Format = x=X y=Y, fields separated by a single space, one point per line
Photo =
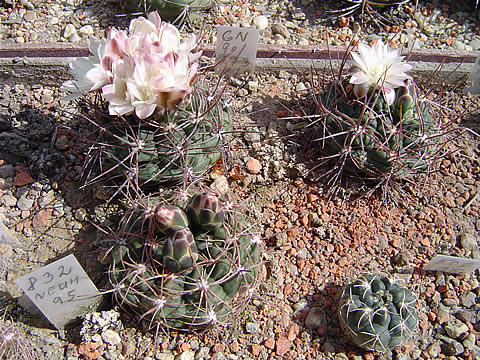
x=86 y=30
x=260 y=22
x=69 y=31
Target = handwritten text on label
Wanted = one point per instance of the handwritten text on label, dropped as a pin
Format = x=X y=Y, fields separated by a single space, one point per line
x=236 y=49
x=59 y=290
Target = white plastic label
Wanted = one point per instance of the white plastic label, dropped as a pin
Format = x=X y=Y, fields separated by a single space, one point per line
x=474 y=77
x=236 y=49
x=452 y=264
x=61 y=290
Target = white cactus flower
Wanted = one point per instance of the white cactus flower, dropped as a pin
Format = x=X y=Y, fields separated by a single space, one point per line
x=380 y=67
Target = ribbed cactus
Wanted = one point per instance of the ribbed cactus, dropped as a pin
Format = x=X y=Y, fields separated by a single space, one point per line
x=155 y=116
x=185 y=265
x=376 y=313
x=367 y=6
x=369 y=137
x=168 y=9
x=173 y=146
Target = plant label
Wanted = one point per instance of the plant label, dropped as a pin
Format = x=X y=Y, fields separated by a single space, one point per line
x=61 y=290
x=452 y=264
x=474 y=77
x=236 y=50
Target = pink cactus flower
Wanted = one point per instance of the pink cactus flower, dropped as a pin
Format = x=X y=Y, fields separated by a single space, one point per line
x=143 y=71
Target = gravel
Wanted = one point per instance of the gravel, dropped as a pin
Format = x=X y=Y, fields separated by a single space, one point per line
x=314 y=244
x=446 y=25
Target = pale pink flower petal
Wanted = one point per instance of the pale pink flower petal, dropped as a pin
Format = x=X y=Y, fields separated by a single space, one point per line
x=389 y=94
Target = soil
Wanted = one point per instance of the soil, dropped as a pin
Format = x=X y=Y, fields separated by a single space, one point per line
x=314 y=241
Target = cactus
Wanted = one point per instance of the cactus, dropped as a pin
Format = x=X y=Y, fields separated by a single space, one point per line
x=153 y=122
x=188 y=278
x=372 y=138
x=168 y=9
x=376 y=313
x=373 y=124
x=177 y=145
x=368 y=6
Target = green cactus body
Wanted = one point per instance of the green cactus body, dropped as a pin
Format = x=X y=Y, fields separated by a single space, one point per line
x=374 y=139
x=376 y=313
x=188 y=279
x=168 y=9
x=161 y=150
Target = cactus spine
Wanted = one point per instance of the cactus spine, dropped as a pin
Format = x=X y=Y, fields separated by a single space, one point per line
x=185 y=266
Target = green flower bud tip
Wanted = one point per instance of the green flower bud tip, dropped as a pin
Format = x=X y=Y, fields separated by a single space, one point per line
x=205 y=211
x=170 y=219
x=179 y=251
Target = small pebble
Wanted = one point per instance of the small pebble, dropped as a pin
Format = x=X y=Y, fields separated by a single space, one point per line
x=86 y=30
x=454 y=330
x=69 y=31
x=254 y=166
x=186 y=355
x=252 y=328
x=80 y=214
x=260 y=22
x=111 y=337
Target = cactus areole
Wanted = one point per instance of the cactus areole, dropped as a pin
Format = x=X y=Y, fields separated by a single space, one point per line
x=376 y=313
x=185 y=266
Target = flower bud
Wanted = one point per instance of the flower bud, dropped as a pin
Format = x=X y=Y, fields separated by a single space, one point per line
x=179 y=251
x=205 y=211
x=170 y=218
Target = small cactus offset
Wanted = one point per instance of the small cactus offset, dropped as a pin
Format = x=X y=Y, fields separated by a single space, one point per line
x=185 y=265
x=376 y=313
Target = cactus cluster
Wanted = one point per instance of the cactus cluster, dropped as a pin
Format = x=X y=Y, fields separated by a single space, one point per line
x=377 y=313
x=371 y=138
x=170 y=147
x=185 y=265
